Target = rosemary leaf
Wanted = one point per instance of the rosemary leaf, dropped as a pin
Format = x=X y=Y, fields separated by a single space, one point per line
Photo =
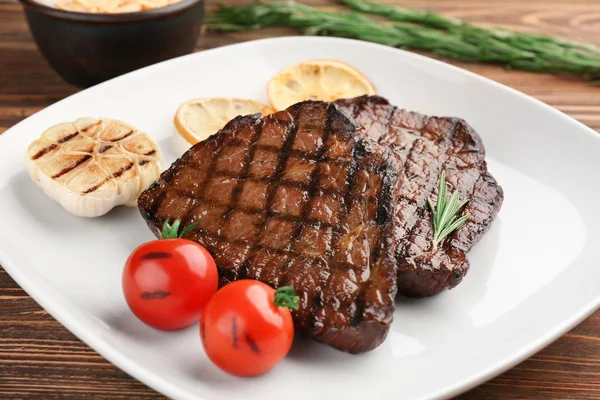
x=432 y=207
x=442 y=188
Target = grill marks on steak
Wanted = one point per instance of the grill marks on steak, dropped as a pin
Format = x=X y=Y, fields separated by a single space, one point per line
x=295 y=198
x=426 y=146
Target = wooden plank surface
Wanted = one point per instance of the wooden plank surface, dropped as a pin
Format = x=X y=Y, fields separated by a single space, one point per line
x=39 y=359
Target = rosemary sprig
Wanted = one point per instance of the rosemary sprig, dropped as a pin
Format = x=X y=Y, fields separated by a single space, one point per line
x=513 y=49
x=418 y=30
x=444 y=212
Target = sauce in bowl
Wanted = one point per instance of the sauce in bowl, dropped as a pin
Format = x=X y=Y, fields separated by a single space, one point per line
x=109 y=6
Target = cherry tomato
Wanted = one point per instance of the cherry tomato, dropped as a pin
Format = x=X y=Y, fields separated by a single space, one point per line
x=247 y=327
x=168 y=282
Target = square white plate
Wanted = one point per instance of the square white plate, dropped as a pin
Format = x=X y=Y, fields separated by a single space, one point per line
x=533 y=276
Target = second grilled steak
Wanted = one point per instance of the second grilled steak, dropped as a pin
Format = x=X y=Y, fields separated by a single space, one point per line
x=295 y=198
x=426 y=146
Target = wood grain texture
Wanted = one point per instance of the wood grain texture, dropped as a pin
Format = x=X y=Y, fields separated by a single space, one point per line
x=39 y=359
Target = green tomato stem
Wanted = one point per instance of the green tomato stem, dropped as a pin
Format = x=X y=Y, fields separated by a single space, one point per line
x=285 y=297
x=171 y=231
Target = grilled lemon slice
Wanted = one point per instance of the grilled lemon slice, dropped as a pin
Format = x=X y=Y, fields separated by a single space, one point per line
x=197 y=119
x=92 y=165
x=325 y=80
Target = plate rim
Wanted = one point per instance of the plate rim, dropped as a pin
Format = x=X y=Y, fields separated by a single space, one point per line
x=42 y=293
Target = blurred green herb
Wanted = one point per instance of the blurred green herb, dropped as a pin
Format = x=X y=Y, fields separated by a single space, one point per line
x=419 y=30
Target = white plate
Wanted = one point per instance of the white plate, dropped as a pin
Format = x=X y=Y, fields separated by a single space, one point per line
x=533 y=276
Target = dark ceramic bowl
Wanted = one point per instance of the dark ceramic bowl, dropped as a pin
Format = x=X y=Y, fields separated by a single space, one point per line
x=86 y=49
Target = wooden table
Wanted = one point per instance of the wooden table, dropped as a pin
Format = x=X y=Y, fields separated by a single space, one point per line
x=40 y=359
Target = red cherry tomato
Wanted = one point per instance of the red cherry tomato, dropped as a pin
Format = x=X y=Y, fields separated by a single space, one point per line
x=247 y=328
x=167 y=283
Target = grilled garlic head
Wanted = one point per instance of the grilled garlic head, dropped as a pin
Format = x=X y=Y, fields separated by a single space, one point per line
x=92 y=165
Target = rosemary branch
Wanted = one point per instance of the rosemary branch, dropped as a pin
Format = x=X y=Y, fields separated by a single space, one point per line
x=444 y=212
x=538 y=53
x=419 y=30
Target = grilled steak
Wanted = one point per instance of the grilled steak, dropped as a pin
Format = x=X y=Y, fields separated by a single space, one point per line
x=295 y=198
x=426 y=146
